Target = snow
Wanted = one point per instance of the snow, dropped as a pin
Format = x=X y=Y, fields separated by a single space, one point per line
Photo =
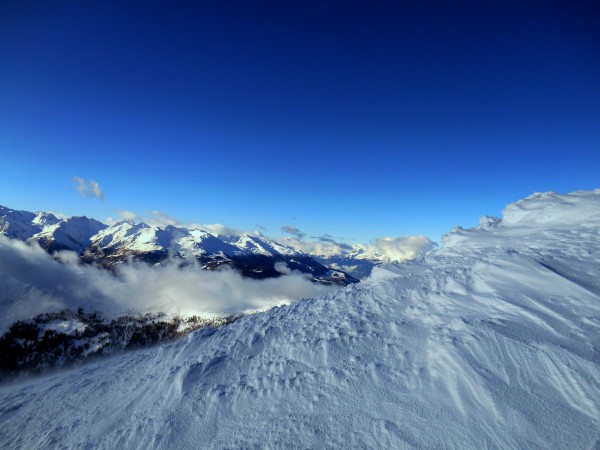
x=491 y=341
x=73 y=233
x=138 y=237
x=550 y=207
x=248 y=244
x=200 y=242
x=188 y=242
x=17 y=224
x=63 y=326
x=43 y=219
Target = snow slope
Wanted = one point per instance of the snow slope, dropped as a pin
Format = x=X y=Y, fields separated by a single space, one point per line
x=127 y=236
x=493 y=341
x=18 y=224
x=52 y=233
x=73 y=233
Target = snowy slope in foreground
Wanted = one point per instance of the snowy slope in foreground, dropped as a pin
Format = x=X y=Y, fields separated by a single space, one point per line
x=493 y=341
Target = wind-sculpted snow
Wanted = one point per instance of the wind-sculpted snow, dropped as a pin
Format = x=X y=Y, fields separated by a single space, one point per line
x=491 y=342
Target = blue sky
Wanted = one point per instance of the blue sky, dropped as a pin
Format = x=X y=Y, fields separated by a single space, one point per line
x=355 y=119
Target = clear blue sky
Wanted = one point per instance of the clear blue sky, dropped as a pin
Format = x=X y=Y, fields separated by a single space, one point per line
x=356 y=119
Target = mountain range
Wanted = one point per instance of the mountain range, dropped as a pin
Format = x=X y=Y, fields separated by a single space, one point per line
x=255 y=256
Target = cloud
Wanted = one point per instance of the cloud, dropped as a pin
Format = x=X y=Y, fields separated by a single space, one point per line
x=403 y=248
x=32 y=282
x=294 y=231
x=160 y=219
x=127 y=215
x=88 y=189
x=282 y=267
x=123 y=214
x=327 y=238
x=343 y=268
x=323 y=247
x=58 y=215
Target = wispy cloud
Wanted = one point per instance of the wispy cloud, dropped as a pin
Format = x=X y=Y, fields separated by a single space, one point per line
x=160 y=219
x=127 y=215
x=327 y=238
x=294 y=231
x=123 y=214
x=323 y=246
x=88 y=189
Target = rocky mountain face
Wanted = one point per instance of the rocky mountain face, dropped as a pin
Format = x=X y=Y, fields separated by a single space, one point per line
x=107 y=245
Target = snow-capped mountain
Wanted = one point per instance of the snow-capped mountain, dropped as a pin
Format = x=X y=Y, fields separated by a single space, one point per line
x=257 y=257
x=23 y=224
x=492 y=341
x=52 y=233
x=73 y=233
x=260 y=245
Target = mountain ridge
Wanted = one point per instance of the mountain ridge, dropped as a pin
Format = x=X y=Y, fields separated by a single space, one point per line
x=95 y=242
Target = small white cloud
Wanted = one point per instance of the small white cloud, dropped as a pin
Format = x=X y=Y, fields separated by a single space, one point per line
x=59 y=215
x=160 y=219
x=282 y=268
x=88 y=189
x=343 y=268
x=404 y=248
x=323 y=247
x=122 y=214
x=127 y=215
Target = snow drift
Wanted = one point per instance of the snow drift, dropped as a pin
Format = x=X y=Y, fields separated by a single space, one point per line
x=491 y=341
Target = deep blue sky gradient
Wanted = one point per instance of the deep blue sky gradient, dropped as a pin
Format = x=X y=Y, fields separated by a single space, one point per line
x=356 y=119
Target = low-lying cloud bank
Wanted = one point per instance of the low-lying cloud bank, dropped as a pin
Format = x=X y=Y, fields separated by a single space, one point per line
x=32 y=282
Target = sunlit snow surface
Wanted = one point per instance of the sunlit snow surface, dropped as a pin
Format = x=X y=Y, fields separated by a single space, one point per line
x=491 y=342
